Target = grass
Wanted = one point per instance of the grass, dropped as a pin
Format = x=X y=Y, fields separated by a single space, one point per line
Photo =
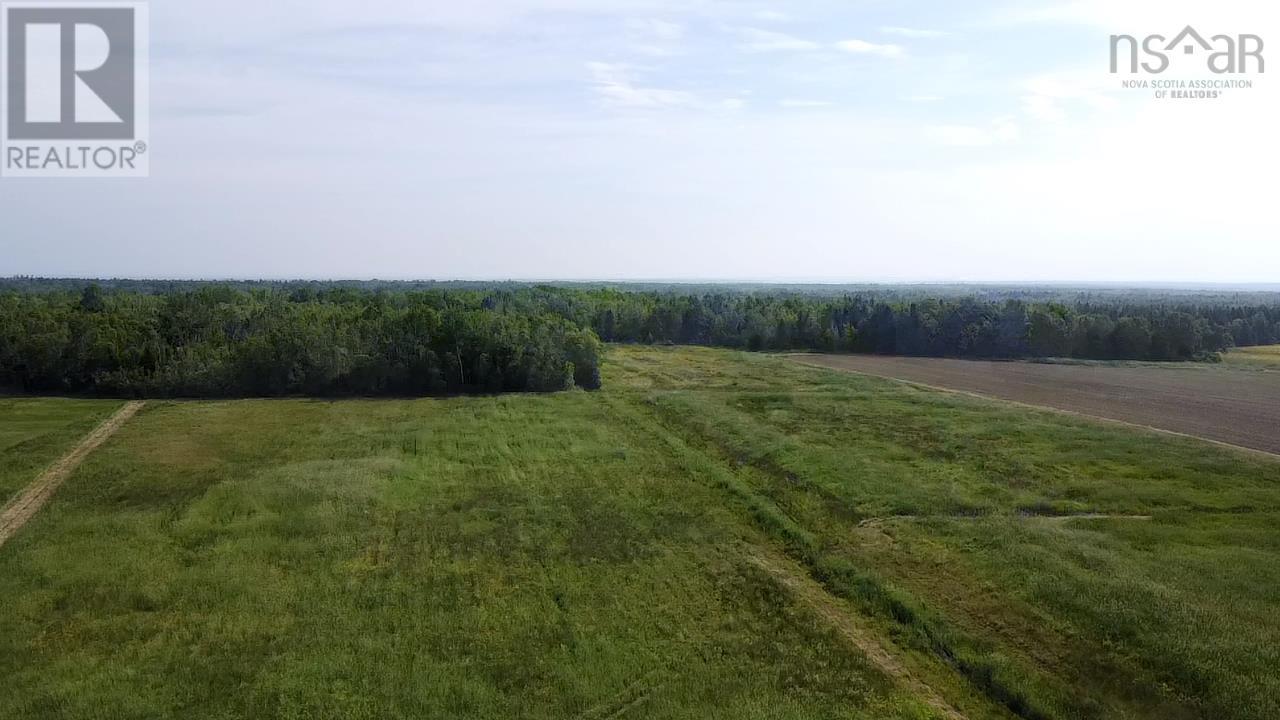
x=951 y=516
x=36 y=432
x=513 y=557
x=1267 y=357
x=591 y=556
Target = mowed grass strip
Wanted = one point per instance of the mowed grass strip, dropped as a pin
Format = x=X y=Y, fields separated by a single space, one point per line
x=1068 y=568
x=522 y=557
x=1266 y=357
x=35 y=432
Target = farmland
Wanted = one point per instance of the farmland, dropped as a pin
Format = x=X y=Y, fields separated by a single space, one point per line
x=34 y=433
x=1265 y=357
x=714 y=534
x=1229 y=404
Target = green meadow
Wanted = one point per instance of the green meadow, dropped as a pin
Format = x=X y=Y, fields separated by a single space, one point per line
x=1266 y=356
x=34 y=432
x=714 y=534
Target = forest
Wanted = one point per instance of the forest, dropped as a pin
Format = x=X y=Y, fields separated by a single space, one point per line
x=220 y=342
x=347 y=339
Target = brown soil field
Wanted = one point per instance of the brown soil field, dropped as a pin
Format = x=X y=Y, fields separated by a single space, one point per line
x=1237 y=407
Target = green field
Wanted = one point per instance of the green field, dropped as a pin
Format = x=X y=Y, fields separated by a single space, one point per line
x=1267 y=356
x=715 y=534
x=35 y=432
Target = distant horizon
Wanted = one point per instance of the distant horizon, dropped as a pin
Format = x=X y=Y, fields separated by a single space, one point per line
x=813 y=282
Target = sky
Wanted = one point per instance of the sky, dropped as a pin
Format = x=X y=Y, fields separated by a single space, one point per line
x=811 y=140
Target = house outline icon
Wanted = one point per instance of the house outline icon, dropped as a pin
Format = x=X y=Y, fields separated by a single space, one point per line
x=1189 y=49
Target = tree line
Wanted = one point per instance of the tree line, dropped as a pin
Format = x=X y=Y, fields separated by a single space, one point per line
x=331 y=339
x=963 y=328
x=220 y=342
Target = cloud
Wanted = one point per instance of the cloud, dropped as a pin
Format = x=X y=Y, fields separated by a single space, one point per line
x=794 y=103
x=615 y=86
x=999 y=132
x=862 y=47
x=657 y=29
x=656 y=38
x=1048 y=97
x=1043 y=108
x=771 y=16
x=1139 y=15
x=914 y=33
x=757 y=40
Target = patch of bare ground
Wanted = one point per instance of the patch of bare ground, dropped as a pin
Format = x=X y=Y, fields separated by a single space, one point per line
x=30 y=500
x=1225 y=406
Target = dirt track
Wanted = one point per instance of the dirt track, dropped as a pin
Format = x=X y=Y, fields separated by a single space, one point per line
x=811 y=594
x=30 y=500
x=1237 y=407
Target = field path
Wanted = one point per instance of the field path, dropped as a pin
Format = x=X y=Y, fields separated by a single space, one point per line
x=819 y=601
x=1239 y=408
x=29 y=501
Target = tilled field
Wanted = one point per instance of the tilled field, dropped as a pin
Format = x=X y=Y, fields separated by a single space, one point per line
x=1239 y=407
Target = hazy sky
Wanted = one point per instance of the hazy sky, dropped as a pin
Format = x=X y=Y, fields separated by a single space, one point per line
x=872 y=140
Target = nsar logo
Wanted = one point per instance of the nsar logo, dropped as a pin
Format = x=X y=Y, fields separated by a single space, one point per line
x=1223 y=54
